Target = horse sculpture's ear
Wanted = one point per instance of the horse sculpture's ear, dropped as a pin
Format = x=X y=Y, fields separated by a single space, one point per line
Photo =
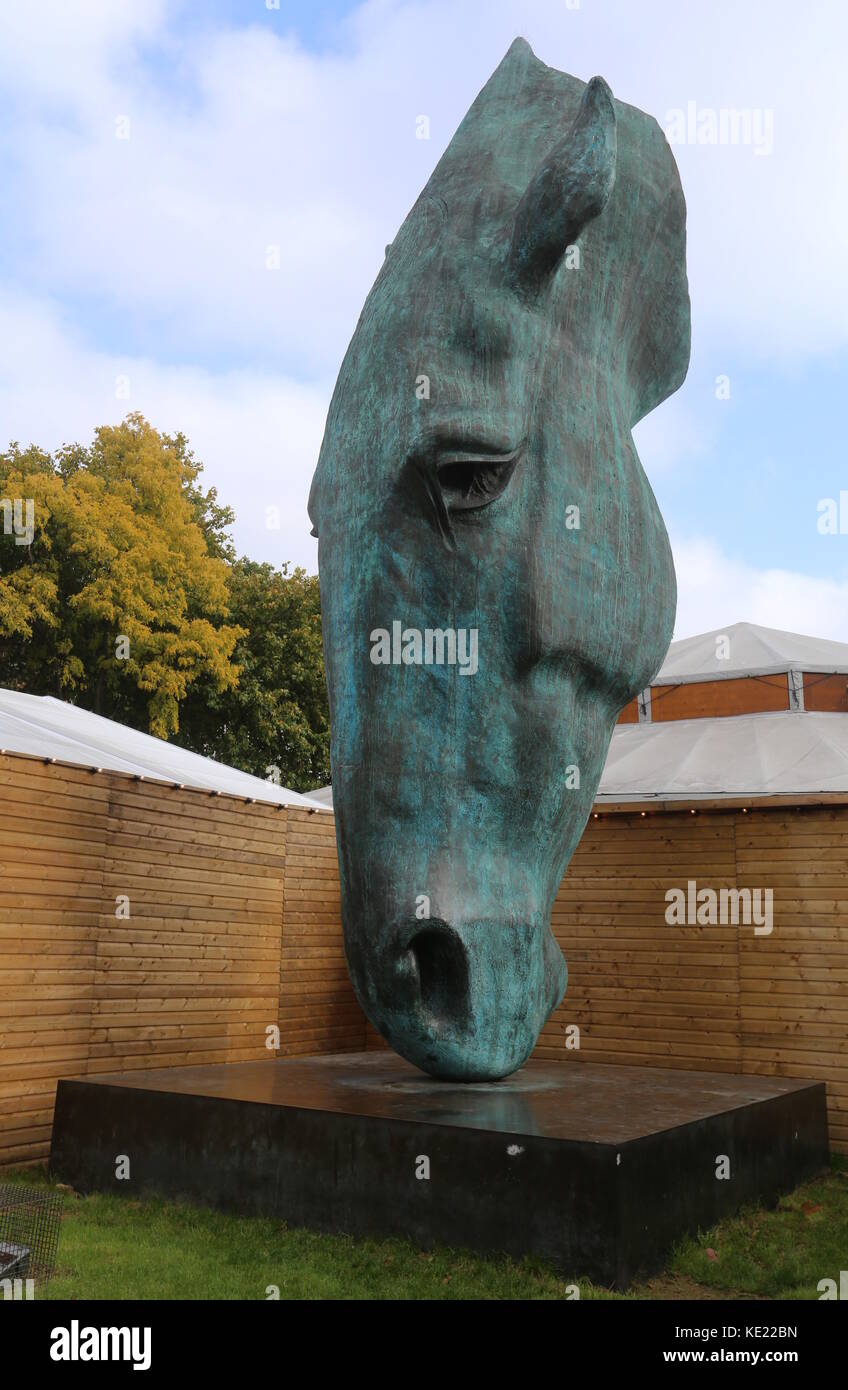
x=568 y=190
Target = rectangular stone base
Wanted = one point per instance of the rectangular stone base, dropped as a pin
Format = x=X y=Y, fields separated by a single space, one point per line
x=596 y=1169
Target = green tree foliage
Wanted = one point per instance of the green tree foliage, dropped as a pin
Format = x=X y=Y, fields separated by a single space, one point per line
x=274 y=721
x=129 y=602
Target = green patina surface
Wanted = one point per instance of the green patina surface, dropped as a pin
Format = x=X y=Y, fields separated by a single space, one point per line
x=478 y=475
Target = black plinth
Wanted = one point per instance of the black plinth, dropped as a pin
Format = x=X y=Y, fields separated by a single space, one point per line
x=597 y=1169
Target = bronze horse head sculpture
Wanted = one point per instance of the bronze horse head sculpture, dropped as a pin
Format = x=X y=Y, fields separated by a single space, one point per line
x=496 y=579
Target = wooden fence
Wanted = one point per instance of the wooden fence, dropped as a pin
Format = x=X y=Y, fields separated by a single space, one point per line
x=143 y=925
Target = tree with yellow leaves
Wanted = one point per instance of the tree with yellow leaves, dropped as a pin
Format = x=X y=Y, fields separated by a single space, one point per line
x=119 y=599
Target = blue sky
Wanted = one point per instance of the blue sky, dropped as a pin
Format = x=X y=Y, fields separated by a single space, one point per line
x=133 y=270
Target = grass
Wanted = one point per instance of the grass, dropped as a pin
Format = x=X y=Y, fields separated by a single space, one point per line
x=113 y=1247
x=781 y=1253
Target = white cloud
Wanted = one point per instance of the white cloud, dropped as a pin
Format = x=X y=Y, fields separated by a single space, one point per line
x=672 y=435
x=715 y=591
x=61 y=59
x=257 y=435
x=256 y=145
x=240 y=139
x=250 y=141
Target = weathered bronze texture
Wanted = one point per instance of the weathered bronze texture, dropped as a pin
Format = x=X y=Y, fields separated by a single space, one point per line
x=496 y=579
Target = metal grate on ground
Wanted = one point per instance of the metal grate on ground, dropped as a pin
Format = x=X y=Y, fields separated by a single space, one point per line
x=29 y=1231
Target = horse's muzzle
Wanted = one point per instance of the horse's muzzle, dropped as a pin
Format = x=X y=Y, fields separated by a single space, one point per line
x=466 y=1001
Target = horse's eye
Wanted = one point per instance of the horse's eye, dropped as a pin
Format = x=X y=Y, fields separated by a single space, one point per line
x=468 y=481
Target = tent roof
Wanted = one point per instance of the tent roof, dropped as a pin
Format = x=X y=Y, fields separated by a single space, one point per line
x=48 y=728
x=786 y=753
x=323 y=795
x=754 y=651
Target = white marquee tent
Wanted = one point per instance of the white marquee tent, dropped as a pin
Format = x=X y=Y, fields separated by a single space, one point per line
x=43 y=727
x=748 y=651
x=786 y=753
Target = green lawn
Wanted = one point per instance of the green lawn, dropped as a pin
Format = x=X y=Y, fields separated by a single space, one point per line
x=113 y=1247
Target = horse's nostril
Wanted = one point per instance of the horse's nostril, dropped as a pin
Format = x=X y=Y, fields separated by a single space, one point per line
x=442 y=965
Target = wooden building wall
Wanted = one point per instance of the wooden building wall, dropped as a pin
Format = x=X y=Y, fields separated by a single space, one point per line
x=234 y=927
x=221 y=942
x=718 y=998
x=52 y=839
x=318 y=1009
x=826 y=693
x=704 y=699
x=709 y=699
